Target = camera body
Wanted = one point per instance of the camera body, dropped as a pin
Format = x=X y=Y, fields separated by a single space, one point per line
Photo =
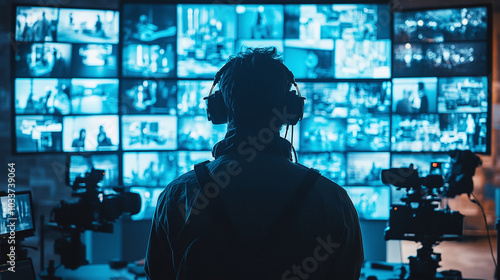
x=94 y=210
x=418 y=217
x=408 y=223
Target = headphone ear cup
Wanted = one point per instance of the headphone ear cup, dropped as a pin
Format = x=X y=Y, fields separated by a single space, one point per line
x=294 y=105
x=216 y=108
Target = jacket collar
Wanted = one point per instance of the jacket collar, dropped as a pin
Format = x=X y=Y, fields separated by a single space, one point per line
x=263 y=141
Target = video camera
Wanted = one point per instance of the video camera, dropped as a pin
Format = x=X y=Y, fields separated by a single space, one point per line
x=94 y=210
x=419 y=219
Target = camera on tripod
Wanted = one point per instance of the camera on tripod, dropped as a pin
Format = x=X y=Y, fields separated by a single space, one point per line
x=95 y=209
x=420 y=218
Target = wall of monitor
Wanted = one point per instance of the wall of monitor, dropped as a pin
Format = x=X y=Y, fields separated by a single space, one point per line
x=121 y=90
x=42 y=172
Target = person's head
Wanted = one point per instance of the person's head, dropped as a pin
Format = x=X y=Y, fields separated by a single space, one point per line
x=83 y=132
x=101 y=129
x=420 y=86
x=254 y=85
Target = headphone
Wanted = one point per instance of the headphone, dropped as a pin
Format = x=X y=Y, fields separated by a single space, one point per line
x=217 y=109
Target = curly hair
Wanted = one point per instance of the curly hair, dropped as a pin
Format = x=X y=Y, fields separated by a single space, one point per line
x=253 y=83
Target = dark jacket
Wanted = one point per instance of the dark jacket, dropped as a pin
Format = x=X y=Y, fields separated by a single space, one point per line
x=254 y=182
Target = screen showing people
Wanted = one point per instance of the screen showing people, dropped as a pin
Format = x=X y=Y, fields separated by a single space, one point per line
x=370 y=96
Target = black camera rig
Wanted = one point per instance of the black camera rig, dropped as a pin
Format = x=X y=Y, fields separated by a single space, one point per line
x=420 y=217
x=95 y=209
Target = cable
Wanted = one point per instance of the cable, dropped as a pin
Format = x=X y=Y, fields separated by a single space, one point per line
x=475 y=201
x=293 y=149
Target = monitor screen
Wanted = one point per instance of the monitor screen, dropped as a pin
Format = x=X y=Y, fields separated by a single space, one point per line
x=36 y=24
x=80 y=165
x=88 y=26
x=370 y=202
x=17 y=210
x=149 y=169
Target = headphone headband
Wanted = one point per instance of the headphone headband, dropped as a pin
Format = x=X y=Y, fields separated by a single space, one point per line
x=217 y=110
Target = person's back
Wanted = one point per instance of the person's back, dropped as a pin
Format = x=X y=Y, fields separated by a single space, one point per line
x=255 y=218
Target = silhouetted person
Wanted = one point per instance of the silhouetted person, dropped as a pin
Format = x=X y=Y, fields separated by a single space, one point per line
x=102 y=139
x=252 y=213
x=80 y=141
x=44 y=27
x=404 y=105
x=98 y=27
x=424 y=100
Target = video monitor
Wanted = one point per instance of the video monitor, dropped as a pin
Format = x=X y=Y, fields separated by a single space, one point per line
x=309 y=59
x=47 y=60
x=43 y=96
x=190 y=97
x=90 y=133
x=94 y=96
x=258 y=22
x=149 y=199
x=446 y=59
x=149 y=60
x=414 y=95
x=368 y=133
x=41 y=133
x=463 y=95
x=149 y=169
x=80 y=165
x=326 y=99
x=362 y=59
x=21 y=213
x=366 y=168
x=149 y=96
x=338 y=21
x=150 y=33
x=330 y=165
x=322 y=134
x=464 y=131
x=188 y=159
x=88 y=26
x=456 y=58
x=205 y=38
x=437 y=26
x=371 y=203
x=36 y=24
x=197 y=133
x=369 y=98
x=145 y=132
x=95 y=60
x=409 y=60
x=416 y=133
x=149 y=23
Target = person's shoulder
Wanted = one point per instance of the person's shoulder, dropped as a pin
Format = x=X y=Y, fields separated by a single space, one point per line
x=327 y=187
x=180 y=186
x=322 y=183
